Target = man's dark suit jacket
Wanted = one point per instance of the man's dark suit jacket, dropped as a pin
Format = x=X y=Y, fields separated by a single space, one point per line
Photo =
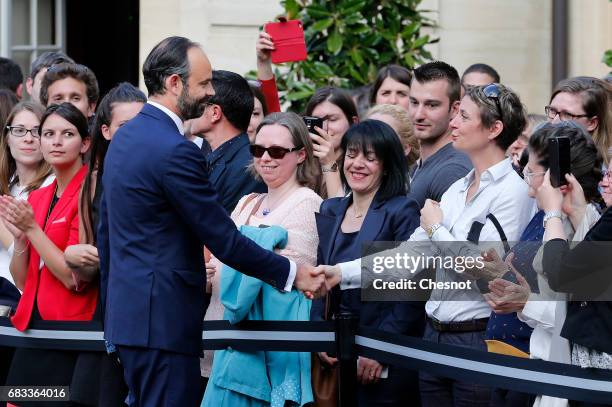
x=386 y=220
x=157 y=211
x=228 y=172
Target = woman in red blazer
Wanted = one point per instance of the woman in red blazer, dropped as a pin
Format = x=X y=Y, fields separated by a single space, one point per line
x=43 y=227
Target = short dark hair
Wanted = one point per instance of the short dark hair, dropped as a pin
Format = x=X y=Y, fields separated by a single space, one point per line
x=8 y=100
x=381 y=138
x=69 y=112
x=65 y=70
x=257 y=93
x=47 y=59
x=336 y=96
x=511 y=112
x=233 y=95
x=585 y=160
x=482 y=68
x=10 y=74
x=438 y=70
x=167 y=58
x=397 y=72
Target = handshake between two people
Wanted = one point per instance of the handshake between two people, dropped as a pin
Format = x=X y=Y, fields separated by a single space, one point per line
x=315 y=282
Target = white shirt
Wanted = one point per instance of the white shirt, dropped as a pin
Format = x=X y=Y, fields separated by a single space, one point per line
x=179 y=125
x=501 y=192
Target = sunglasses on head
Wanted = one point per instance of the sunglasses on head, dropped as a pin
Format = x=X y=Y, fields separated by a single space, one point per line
x=492 y=92
x=275 y=152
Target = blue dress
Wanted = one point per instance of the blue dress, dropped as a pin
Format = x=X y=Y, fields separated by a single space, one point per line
x=245 y=379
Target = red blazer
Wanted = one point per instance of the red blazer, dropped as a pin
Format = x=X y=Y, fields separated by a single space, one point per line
x=55 y=302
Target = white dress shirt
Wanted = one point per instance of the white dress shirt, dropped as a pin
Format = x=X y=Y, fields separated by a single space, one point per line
x=501 y=192
x=179 y=124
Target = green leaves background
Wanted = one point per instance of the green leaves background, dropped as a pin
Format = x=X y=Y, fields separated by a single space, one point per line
x=348 y=40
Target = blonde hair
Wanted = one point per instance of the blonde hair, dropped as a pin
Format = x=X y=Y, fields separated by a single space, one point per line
x=404 y=131
x=308 y=172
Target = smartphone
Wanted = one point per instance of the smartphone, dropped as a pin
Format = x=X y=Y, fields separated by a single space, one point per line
x=559 y=159
x=312 y=122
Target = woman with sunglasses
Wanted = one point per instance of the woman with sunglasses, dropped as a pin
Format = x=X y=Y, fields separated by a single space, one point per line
x=43 y=227
x=522 y=300
x=284 y=161
x=588 y=102
x=374 y=170
x=334 y=105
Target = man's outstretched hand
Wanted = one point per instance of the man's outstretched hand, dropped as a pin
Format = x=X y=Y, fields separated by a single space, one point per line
x=333 y=276
x=310 y=280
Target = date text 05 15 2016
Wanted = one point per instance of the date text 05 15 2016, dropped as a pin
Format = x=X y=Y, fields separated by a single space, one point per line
x=34 y=393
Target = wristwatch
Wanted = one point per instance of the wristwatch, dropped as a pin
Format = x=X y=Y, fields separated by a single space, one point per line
x=550 y=215
x=331 y=168
x=432 y=229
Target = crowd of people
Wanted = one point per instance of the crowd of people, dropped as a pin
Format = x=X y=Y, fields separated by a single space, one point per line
x=205 y=201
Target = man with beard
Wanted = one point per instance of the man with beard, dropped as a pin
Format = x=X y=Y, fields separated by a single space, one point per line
x=157 y=210
x=224 y=125
x=434 y=102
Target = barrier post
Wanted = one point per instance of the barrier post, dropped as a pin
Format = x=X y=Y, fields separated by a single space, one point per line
x=345 y=337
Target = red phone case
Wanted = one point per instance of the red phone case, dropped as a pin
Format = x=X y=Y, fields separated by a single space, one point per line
x=289 y=42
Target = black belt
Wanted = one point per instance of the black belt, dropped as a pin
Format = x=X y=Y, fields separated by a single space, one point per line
x=462 y=326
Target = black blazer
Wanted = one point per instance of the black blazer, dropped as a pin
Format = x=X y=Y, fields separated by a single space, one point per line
x=586 y=272
x=394 y=219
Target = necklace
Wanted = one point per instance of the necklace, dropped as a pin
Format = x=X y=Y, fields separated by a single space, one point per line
x=271 y=206
x=356 y=215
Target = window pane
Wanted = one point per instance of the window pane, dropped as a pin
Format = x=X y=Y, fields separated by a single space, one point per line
x=21 y=22
x=46 y=22
x=23 y=60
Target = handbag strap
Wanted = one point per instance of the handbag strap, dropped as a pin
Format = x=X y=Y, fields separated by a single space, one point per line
x=246 y=202
x=500 y=230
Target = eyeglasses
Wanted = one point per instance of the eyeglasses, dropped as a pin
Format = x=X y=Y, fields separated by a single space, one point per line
x=19 y=131
x=564 y=116
x=492 y=92
x=527 y=175
x=275 y=152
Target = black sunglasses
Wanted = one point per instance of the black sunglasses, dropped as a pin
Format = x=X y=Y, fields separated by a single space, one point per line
x=492 y=92
x=275 y=152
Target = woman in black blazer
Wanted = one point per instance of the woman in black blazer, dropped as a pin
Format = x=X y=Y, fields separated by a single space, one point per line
x=584 y=271
x=374 y=170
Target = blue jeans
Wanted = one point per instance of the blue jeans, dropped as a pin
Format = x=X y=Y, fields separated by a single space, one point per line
x=439 y=391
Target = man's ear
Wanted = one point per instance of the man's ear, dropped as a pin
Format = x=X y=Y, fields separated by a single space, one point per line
x=19 y=91
x=216 y=114
x=29 y=85
x=174 y=84
x=454 y=108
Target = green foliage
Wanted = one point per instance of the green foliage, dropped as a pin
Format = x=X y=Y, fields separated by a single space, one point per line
x=607 y=58
x=348 y=40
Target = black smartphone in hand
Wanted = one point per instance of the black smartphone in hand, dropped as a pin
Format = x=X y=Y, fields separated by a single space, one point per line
x=559 y=159
x=312 y=122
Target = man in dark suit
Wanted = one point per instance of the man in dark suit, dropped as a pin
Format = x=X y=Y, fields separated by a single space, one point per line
x=157 y=211
x=224 y=124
